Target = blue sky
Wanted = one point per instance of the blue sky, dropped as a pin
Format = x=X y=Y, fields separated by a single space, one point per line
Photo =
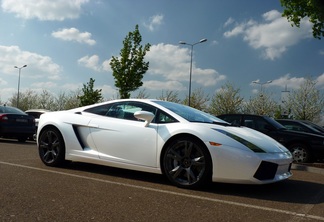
x=64 y=43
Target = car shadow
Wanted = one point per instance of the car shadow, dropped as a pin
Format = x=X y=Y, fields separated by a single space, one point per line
x=15 y=141
x=290 y=191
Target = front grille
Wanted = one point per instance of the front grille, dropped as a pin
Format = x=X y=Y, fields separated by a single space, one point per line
x=266 y=171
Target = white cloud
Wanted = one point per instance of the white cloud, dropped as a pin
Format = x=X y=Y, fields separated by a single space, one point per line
x=239 y=29
x=74 y=34
x=274 y=35
x=320 y=81
x=44 y=85
x=71 y=86
x=169 y=64
x=154 y=22
x=3 y=82
x=44 y=9
x=163 y=85
x=108 y=91
x=38 y=66
x=288 y=81
x=172 y=63
x=229 y=21
x=93 y=62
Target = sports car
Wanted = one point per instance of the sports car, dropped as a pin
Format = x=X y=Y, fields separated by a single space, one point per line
x=190 y=147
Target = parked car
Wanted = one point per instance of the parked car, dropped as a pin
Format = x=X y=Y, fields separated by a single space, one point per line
x=305 y=147
x=188 y=146
x=301 y=125
x=36 y=113
x=14 y=123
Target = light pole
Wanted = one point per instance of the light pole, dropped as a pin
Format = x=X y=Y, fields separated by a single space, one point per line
x=190 y=72
x=261 y=83
x=19 y=68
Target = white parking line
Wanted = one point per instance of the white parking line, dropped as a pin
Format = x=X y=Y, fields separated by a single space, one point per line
x=295 y=214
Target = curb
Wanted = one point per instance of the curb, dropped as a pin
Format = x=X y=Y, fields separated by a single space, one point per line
x=307 y=168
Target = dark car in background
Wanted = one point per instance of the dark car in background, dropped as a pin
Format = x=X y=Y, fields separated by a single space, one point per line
x=36 y=113
x=301 y=125
x=305 y=147
x=14 y=123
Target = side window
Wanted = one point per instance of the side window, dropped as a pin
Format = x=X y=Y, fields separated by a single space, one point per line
x=99 y=110
x=256 y=123
x=126 y=110
x=251 y=122
x=234 y=120
x=163 y=117
x=116 y=111
x=297 y=127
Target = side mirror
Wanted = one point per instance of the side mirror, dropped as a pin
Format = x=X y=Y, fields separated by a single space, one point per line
x=144 y=115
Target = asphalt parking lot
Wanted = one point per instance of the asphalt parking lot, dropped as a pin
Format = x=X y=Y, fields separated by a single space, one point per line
x=30 y=191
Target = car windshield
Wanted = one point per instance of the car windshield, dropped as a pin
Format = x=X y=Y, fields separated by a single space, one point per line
x=191 y=114
x=274 y=123
x=7 y=109
x=314 y=126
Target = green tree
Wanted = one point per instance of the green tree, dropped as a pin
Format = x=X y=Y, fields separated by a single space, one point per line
x=142 y=94
x=46 y=101
x=306 y=103
x=72 y=100
x=60 y=101
x=226 y=100
x=170 y=96
x=198 y=100
x=262 y=104
x=27 y=100
x=129 y=70
x=90 y=96
x=295 y=10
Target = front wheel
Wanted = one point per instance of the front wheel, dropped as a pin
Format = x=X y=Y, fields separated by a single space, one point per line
x=51 y=147
x=187 y=163
x=300 y=153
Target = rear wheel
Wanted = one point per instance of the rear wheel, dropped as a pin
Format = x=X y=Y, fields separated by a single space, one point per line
x=187 y=163
x=51 y=147
x=300 y=153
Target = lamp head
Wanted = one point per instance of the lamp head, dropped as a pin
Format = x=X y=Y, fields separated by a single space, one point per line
x=203 y=40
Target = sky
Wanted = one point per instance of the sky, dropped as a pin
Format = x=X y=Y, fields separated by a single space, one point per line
x=64 y=43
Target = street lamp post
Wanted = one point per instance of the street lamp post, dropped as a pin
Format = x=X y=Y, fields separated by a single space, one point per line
x=190 y=72
x=19 y=68
x=261 y=83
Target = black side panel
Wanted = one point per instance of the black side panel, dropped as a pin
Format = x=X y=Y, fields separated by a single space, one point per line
x=77 y=134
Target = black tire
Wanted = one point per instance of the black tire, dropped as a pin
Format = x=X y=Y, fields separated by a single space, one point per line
x=300 y=153
x=51 y=147
x=187 y=163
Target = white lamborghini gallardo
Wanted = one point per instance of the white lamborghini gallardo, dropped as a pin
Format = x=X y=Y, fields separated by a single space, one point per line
x=190 y=147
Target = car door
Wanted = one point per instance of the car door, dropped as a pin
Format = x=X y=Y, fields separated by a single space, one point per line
x=120 y=137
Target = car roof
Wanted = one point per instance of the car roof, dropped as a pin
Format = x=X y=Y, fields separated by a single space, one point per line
x=240 y=114
x=37 y=110
x=10 y=109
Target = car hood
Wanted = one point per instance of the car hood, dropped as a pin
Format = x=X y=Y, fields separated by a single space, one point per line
x=299 y=133
x=249 y=137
